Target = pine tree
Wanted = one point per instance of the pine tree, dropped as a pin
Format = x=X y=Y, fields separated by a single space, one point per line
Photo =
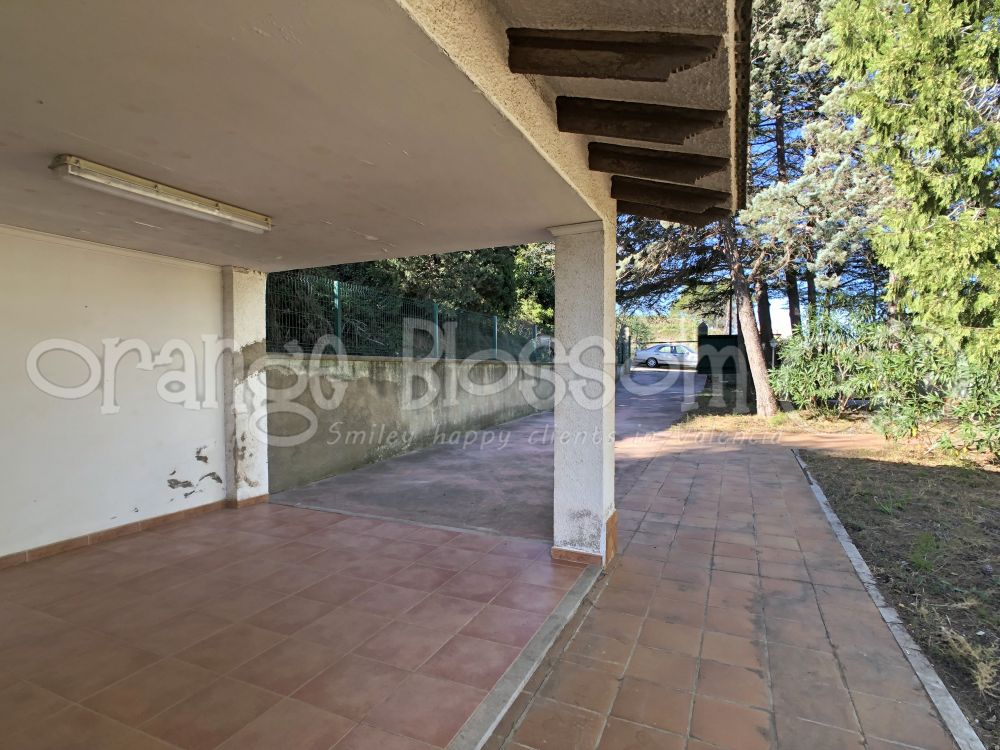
x=928 y=93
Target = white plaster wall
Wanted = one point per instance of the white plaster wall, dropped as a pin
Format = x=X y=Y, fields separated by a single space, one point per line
x=68 y=469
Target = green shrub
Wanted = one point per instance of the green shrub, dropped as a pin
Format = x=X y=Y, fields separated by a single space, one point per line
x=917 y=382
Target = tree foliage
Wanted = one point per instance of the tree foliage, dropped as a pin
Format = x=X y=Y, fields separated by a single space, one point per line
x=926 y=87
x=507 y=281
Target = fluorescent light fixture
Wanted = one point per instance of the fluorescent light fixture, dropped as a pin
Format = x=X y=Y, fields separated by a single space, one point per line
x=116 y=182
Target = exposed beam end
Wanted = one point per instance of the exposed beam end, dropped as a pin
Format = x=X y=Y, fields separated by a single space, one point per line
x=639 y=121
x=678 y=217
x=653 y=164
x=620 y=55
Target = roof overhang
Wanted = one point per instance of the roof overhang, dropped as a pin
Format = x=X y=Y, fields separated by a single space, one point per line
x=365 y=129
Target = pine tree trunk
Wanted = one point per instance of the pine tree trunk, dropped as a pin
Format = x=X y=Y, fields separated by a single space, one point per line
x=767 y=404
x=811 y=292
x=792 y=291
x=764 y=315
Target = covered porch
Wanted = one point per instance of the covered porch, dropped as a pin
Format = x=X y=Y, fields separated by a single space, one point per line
x=352 y=132
x=134 y=614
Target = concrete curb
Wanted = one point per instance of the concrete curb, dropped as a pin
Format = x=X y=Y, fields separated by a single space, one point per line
x=956 y=721
x=479 y=727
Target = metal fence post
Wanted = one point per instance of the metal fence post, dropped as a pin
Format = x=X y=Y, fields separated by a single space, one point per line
x=338 y=317
x=437 y=332
x=496 y=339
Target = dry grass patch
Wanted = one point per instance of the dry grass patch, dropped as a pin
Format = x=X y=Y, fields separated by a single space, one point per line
x=928 y=525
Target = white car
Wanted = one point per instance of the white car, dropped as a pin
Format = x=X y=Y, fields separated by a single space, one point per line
x=667 y=355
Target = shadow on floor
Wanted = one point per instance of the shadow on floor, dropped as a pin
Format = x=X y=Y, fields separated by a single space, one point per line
x=497 y=480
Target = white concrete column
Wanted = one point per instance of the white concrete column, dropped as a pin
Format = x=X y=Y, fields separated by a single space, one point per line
x=245 y=388
x=584 y=501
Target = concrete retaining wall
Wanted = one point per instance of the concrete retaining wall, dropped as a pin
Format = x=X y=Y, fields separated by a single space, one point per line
x=332 y=415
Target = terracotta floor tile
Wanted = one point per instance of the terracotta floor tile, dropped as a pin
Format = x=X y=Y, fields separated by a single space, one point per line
x=791 y=571
x=529 y=597
x=663 y=668
x=623 y=600
x=81 y=676
x=403 y=645
x=474 y=542
x=822 y=577
x=729 y=726
x=391 y=530
x=686 y=574
x=77 y=728
x=556 y=726
x=343 y=629
x=550 y=574
x=229 y=648
x=212 y=715
x=501 y=566
x=502 y=625
x=632 y=581
x=734 y=564
x=290 y=615
x=731 y=649
x=439 y=612
x=364 y=737
x=336 y=589
x=881 y=676
x=748 y=601
x=653 y=705
x=292 y=578
x=23 y=705
x=695 y=592
x=625 y=735
x=386 y=600
x=620 y=626
x=293 y=552
x=736 y=684
x=471 y=661
x=681 y=639
x=374 y=568
x=901 y=722
x=427 y=535
x=426 y=709
x=523 y=548
x=240 y=603
x=640 y=566
x=823 y=703
x=180 y=632
x=796 y=633
x=291 y=724
x=330 y=560
x=407 y=551
x=287 y=666
x=599 y=648
x=157 y=580
x=138 y=698
x=578 y=686
x=352 y=686
x=794 y=734
x=668 y=609
x=475 y=586
x=791 y=666
x=451 y=558
x=421 y=577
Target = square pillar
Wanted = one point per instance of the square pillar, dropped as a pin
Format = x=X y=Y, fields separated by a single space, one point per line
x=584 y=498
x=244 y=385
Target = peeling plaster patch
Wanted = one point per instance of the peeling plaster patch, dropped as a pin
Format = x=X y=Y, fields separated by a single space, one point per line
x=213 y=476
x=175 y=483
x=199 y=455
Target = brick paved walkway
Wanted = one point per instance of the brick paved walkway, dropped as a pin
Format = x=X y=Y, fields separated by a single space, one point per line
x=732 y=620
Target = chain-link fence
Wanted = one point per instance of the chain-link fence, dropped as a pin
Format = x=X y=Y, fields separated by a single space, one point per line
x=307 y=311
